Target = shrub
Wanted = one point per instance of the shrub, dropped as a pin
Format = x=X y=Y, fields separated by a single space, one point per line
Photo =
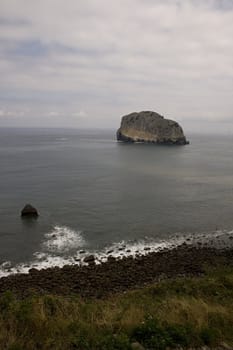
x=15 y=347
x=114 y=342
x=209 y=336
x=182 y=335
x=6 y=301
x=151 y=335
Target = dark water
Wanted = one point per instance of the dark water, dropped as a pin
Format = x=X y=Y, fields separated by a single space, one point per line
x=92 y=192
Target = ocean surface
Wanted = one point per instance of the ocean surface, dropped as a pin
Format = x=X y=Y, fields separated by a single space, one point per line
x=95 y=195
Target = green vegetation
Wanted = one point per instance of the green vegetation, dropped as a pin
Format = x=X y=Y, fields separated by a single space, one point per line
x=185 y=312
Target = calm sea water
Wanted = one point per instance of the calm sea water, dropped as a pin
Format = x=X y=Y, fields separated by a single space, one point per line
x=93 y=192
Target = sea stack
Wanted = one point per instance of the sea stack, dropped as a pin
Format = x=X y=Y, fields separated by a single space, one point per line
x=150 y=127
x=29 y=212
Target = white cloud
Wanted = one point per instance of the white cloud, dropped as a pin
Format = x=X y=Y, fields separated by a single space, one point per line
x=79 y=114
x=172 y=56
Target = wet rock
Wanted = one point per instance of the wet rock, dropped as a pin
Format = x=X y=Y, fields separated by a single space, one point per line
x=110 y=251
x=29 y=212
x=33 y=271
x=89 y=259
x=82 y=252
x=111 y=259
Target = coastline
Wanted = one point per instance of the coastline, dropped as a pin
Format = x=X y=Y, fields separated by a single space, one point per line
x=118 y=275
x=178 y=298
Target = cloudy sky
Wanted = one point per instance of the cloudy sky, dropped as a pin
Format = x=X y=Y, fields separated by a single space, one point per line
x=85 y=63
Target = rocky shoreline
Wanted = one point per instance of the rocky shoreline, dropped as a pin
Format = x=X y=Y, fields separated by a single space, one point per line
x=114 y=276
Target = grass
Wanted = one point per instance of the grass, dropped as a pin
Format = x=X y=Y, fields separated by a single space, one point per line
x=180 y=312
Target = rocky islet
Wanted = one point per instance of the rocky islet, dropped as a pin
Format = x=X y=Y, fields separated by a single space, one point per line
x=150 y=127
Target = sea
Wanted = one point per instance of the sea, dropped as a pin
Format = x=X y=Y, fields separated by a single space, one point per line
x=97 y=196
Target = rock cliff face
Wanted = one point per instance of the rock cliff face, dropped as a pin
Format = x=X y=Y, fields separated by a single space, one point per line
x=150 y=127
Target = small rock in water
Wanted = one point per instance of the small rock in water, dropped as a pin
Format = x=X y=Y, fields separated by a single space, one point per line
x=147 y=248
x=110 y=251
x=82 y=252
x=29 y=211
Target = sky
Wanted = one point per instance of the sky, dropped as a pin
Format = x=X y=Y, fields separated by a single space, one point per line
x=86 y=63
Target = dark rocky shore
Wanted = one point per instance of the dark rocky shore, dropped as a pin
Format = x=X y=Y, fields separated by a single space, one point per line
x=116 y=276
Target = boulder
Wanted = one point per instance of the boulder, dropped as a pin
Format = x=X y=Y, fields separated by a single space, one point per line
x=29 y=211
x=150 y=127
x=89 y=259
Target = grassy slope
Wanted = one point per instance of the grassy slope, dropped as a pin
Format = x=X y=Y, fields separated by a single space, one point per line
x=187 y=311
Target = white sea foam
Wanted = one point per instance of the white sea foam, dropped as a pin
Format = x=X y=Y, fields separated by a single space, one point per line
x=63 y=239
x=47 y=262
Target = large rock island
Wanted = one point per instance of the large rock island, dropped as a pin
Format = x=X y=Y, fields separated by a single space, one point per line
x=150 y=127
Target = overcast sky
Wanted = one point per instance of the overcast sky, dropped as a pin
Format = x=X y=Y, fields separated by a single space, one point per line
x=85 y=63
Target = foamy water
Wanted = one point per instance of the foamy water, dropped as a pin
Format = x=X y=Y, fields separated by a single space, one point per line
x=63 y=239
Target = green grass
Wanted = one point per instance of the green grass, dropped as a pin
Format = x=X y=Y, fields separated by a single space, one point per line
x=185 y=312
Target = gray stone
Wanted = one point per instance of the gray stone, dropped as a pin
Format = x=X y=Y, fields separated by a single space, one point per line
x=89 y=259
x=150 y=127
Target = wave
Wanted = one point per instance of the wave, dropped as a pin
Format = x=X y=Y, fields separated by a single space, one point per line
x=64 y=239
x=60 y=241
